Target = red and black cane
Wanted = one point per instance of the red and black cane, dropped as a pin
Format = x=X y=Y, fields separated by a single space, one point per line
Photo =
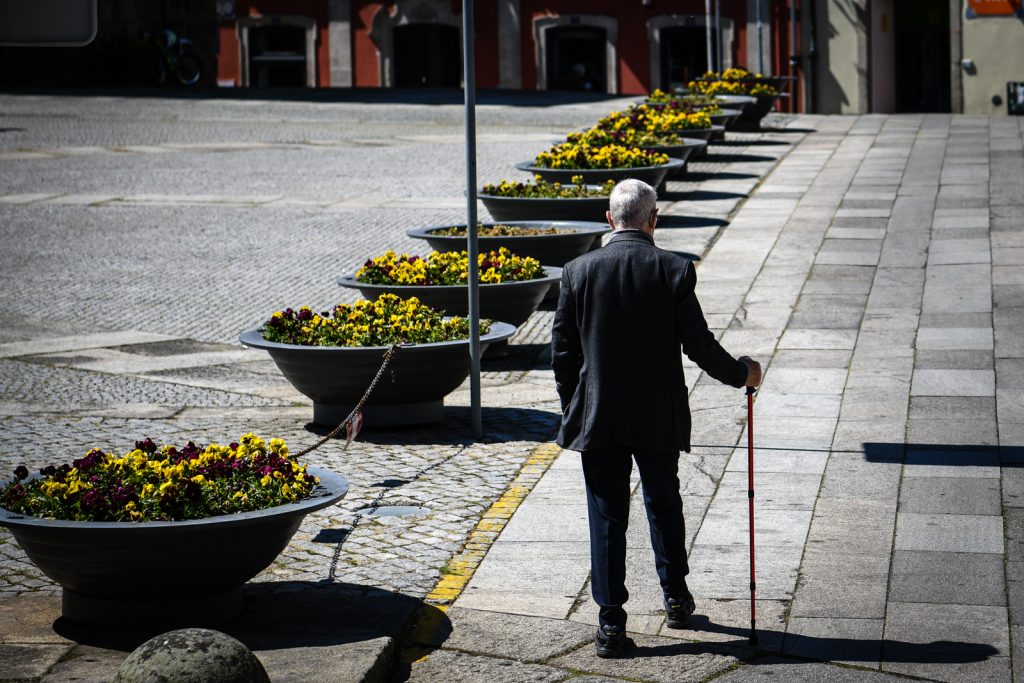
x=750 y=506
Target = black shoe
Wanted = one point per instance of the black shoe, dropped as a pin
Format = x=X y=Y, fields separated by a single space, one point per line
x=679 y=611
x=612 y=641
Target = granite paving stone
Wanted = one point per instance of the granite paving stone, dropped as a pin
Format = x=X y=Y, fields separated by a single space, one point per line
x=947 y=578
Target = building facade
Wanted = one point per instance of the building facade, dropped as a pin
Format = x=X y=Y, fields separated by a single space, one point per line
x=627 y=47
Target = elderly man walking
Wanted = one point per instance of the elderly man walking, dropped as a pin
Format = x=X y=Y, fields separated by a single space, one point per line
x=623 y=313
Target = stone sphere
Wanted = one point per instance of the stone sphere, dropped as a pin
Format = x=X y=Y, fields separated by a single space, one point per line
x=192 y=655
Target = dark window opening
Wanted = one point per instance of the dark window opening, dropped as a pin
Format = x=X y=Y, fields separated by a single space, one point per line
x=921 y=29
x=684 y=54
x=427 y=56
x=577 y=58
x=277 y=57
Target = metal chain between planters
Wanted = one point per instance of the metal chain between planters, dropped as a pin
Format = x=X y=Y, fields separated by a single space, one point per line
x=388 y=355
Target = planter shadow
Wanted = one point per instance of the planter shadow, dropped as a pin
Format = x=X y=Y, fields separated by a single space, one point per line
x=676 y=222
x=501 y=424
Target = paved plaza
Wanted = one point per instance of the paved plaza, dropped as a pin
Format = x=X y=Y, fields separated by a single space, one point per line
x=873 y=264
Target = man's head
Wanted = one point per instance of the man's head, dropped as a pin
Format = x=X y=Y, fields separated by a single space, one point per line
x=633 y=205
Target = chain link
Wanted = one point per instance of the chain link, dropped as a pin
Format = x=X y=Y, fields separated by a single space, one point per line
x=388 y=355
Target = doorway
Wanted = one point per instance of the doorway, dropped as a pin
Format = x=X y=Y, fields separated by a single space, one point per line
x=921 y=29
x=427 y=56
x=684 y=54
x=277 y=56
x=577 y=58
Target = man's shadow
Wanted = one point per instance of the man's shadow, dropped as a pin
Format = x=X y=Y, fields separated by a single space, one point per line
x=869 y=651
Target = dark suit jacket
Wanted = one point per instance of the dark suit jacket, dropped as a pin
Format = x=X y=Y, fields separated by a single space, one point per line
x=623 y=312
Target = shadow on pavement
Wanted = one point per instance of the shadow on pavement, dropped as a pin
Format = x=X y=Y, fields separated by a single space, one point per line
x=945 y=455
x=670 y=222
x=699 y=196
x=716 y=158
x=870 y=650
x=485 y=96
x=700 y=176
x=281 y=615
x=500 y=425
x=750 y=143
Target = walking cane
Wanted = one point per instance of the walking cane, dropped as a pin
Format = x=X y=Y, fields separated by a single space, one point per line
x=750 y=506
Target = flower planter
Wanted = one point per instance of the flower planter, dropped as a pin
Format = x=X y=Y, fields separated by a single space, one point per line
x=412 y=391
x=723 y=119
x=741 y=102
x=553 y=209
x=576 y=238
x=652 y=175
x=687 y=147
x=751 y=117
x=510 y=302
x=163 y=575
x=699 y=133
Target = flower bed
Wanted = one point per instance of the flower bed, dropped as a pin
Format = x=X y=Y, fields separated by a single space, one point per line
x=447 y=268
x=386 y=321
x=570 y=155
x=654 y=120
x=162 y=484
x=732 y=82
x=499 y=230
x=542 y=189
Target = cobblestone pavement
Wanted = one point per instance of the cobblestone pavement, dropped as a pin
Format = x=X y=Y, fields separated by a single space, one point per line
x=140 y=236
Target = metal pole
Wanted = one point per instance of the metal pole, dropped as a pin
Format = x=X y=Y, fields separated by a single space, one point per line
x=469 y=84
x=718 y=35
x=707 y=35
x=794 y=60
x=760 y=38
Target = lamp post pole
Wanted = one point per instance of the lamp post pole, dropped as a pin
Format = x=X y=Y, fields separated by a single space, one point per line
x=469 y=85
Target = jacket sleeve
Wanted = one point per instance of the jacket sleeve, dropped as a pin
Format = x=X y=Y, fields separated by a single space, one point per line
x=699 y=344
x=566 y=348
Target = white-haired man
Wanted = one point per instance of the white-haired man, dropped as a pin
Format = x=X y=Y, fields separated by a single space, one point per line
x=623 y=313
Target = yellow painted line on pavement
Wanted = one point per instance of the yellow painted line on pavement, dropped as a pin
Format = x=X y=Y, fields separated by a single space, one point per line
x=462 y=566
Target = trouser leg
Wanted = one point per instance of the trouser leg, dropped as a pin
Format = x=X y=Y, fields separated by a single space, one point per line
x=659 y=474
x=606 y=473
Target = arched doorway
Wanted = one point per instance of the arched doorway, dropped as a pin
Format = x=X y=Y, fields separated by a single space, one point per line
x=427 y=55
x=684 y=54
x=577 y=58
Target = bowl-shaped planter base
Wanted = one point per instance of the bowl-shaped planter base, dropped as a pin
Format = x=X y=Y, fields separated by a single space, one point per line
x=537 y=209
x=652 y=175
x=750 y=119
x=411 y=391
x=574 y=238
x=163 y=575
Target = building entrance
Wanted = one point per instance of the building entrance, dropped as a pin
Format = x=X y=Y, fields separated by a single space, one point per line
x=427 y=56
x=277 y=56
x=577 y=58
x=684 y=54
x=922 y=55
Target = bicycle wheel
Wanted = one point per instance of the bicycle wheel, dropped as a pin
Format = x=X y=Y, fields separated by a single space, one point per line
x=188 y=68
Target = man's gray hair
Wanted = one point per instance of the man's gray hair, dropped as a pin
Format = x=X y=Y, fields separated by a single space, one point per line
x=631 y=204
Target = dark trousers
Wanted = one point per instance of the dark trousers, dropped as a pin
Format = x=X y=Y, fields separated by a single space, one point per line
x=607 y=473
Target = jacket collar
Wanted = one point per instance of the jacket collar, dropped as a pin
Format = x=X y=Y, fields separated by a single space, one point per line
x=631 y=235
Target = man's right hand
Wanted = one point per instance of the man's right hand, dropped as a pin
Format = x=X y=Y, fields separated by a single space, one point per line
x=753 y=371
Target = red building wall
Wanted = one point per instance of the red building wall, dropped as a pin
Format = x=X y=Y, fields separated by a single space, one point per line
x=228 y=66
x=366 y=61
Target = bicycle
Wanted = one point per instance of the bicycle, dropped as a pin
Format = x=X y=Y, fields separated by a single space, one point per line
x=172 y=54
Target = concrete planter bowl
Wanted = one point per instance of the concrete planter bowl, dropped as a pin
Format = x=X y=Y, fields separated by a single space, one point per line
x=687 y=147
x=652 y=175
x=751 y=117
x=411 y=392
x=574 y=238
x=724 y=119
x=537 y=209
x=510 y=302
x=163 y=575
x=741 y=102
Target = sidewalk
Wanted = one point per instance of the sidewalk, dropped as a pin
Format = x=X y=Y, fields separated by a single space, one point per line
x=877 y=272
